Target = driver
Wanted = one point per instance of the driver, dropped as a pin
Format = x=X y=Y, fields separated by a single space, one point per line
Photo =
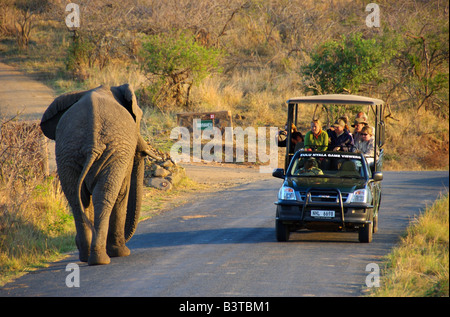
x=310 y=168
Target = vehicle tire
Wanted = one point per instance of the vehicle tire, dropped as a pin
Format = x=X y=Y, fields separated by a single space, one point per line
x=282 y=231
x=365 y=233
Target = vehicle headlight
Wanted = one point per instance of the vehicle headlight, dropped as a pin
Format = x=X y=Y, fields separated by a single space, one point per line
x=286 y=193
x=360 y=196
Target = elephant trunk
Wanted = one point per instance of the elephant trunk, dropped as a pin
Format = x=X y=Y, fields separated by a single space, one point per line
x=135 y=194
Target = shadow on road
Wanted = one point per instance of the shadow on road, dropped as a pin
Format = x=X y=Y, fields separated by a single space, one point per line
x=235 y=236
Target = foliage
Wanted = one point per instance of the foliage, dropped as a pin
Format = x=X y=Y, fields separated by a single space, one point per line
x=268 y=44
x=177 y=60
x=344 y=65
x=425 y=65
x=79 y=56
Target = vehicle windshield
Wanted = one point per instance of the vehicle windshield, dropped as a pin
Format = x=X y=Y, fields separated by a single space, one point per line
x=327 y=164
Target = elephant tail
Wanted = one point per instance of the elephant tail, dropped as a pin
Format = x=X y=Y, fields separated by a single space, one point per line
x=87 y=166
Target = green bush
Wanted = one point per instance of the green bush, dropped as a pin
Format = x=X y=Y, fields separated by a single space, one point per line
x=344 y=65
x=174 y=62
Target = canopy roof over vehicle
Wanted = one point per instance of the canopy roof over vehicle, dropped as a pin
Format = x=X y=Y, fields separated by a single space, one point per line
x=377 y=106
x=337 y=99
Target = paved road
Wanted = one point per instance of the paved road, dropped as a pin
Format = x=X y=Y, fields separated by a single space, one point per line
x=224 y=245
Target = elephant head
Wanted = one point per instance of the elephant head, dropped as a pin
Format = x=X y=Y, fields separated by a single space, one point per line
x=124 y=95
x=100 y=155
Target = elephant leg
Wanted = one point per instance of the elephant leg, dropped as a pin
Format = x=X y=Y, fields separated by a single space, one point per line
x=84 y=233
x=69 y=176
x=115 y=246
x=104 y=198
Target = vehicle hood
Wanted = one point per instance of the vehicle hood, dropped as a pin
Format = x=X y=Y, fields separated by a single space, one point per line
x=345 y=185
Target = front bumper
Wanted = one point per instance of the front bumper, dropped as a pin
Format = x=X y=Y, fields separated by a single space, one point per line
x=346 y=216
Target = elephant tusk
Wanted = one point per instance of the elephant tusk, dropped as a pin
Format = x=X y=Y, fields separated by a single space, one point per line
x=147 y=152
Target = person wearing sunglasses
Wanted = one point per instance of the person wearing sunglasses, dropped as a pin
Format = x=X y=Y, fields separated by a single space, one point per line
x=365 y=143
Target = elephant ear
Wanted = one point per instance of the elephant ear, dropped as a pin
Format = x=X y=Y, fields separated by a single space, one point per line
x=125 y=96
x=55 y=111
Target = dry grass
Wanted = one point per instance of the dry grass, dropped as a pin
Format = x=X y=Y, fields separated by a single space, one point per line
x=35 y=227
x=417 y=141
x=418 y=266
x=35 y=222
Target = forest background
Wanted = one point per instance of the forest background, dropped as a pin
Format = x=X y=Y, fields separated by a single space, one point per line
x=248 y=57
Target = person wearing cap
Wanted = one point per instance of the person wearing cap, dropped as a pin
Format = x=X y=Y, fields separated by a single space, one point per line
x=341 y=139
x=365 y=144
x=359 y=124
x=316 y=139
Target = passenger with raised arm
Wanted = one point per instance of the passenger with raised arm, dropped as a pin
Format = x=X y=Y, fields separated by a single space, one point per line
x=316 y=138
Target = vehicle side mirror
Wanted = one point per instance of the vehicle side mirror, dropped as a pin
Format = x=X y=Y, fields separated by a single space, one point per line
x=279 y=173
x=378 y=176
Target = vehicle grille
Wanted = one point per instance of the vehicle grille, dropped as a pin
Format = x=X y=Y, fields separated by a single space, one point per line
x=323 y=196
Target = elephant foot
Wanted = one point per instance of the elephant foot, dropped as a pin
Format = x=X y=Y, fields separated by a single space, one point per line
x=116 y=251
x=83 y=254
x=98 y=258
x=83 y=257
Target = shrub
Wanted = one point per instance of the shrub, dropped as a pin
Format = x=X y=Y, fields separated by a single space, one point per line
x=344 y=65
x=174 y=62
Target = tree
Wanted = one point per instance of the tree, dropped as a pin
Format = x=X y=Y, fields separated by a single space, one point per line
x=177 y=61
x=344 y=65
x=426 y=66
x=27 y=10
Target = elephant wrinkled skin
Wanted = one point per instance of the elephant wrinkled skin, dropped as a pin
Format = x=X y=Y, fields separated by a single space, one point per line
x=100 y=161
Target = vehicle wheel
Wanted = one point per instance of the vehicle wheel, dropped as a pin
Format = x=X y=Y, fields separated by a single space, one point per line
x=365 y=233
x=282 y=231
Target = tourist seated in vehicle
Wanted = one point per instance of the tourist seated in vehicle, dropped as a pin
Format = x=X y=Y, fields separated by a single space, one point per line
x=310 y=168
x=365 y=144
x=346 y=127
x=348 y=168
x=359 y=124
x=316 y=138
x=340 y=139
x=296 y=139
x=281 y=136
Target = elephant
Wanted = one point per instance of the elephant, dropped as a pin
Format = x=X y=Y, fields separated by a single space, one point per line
x=100 y=163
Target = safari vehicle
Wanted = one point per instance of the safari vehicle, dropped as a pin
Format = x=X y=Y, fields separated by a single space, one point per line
x=343 y=193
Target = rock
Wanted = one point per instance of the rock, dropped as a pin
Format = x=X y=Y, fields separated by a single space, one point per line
x=177 y=174
x=167 y=164
x=161 y=172
x=160 y=183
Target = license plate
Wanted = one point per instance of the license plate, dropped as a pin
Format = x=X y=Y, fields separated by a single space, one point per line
x=322 y=213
